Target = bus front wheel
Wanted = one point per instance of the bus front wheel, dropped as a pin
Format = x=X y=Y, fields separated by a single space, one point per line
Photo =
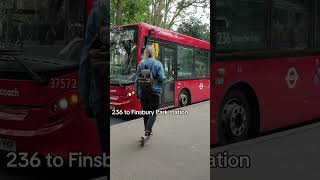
x=184 y=98
x=235 y=117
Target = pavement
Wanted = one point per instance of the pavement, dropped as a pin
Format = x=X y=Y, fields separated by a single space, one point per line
x=293 y=154
x=179 y=148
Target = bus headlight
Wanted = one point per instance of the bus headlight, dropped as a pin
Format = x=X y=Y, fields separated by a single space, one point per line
x=63 y=104
x=131 y=94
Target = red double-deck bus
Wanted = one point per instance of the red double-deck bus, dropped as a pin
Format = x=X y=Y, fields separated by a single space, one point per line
x=266 y=68
x=185 y=60
x=40 y=48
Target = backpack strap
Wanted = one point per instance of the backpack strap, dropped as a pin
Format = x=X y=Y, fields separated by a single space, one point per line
x=154 y=76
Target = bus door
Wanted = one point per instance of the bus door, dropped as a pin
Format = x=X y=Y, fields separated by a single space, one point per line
x=167 y=58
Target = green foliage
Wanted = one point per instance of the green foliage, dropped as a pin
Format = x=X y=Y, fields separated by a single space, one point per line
x=135 y=12
x=132 y=11
x=161 y=13
x=194 y=28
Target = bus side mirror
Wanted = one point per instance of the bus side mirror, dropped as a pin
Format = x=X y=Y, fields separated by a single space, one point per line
x=151 y=34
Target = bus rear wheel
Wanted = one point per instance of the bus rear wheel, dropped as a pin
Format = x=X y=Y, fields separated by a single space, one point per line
x=184 y=98
x=235 y=118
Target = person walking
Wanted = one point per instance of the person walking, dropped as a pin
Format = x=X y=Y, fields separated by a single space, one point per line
x=150 y=73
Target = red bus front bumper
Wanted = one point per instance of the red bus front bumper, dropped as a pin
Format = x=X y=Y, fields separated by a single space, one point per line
x=75 y=134
x=129 y=104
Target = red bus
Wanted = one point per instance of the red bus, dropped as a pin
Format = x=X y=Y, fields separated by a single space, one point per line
x=185 y=60
x=40 y=48
x=266 y=67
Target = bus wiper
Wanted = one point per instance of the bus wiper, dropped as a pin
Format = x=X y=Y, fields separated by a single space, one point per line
x=17 y=57
x=34 y=75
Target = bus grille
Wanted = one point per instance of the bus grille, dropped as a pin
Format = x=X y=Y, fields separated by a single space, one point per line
x=11 y=113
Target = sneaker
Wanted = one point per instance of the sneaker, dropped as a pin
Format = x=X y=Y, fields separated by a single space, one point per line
x=147 y=134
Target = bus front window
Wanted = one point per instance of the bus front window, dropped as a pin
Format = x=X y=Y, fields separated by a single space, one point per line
x=124 y=53
x=42 y=29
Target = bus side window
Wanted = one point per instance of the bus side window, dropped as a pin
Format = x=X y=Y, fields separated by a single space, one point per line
x=201 y=64
x=291 y=25
x=185 y=62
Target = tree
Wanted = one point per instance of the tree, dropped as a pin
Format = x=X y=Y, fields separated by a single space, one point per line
x=164 y=13
x=161 y=13
x=194 y=28
x=128 y=11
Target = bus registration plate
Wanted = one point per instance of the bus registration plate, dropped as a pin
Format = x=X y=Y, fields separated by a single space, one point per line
x=7 y=145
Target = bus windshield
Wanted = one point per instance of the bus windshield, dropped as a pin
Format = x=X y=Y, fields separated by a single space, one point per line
x=43 y=30
x=124 y=52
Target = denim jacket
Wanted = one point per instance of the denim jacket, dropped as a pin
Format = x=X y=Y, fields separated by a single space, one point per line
x=157 y=70
x=87 y=87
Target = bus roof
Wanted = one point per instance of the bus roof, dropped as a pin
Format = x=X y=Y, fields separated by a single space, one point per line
x=172 y=36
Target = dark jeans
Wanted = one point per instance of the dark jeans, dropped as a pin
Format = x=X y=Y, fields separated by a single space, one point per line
x=149 y=102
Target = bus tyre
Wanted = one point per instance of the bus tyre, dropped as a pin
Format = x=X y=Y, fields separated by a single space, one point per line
x=235 y=118
x=184 y=98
